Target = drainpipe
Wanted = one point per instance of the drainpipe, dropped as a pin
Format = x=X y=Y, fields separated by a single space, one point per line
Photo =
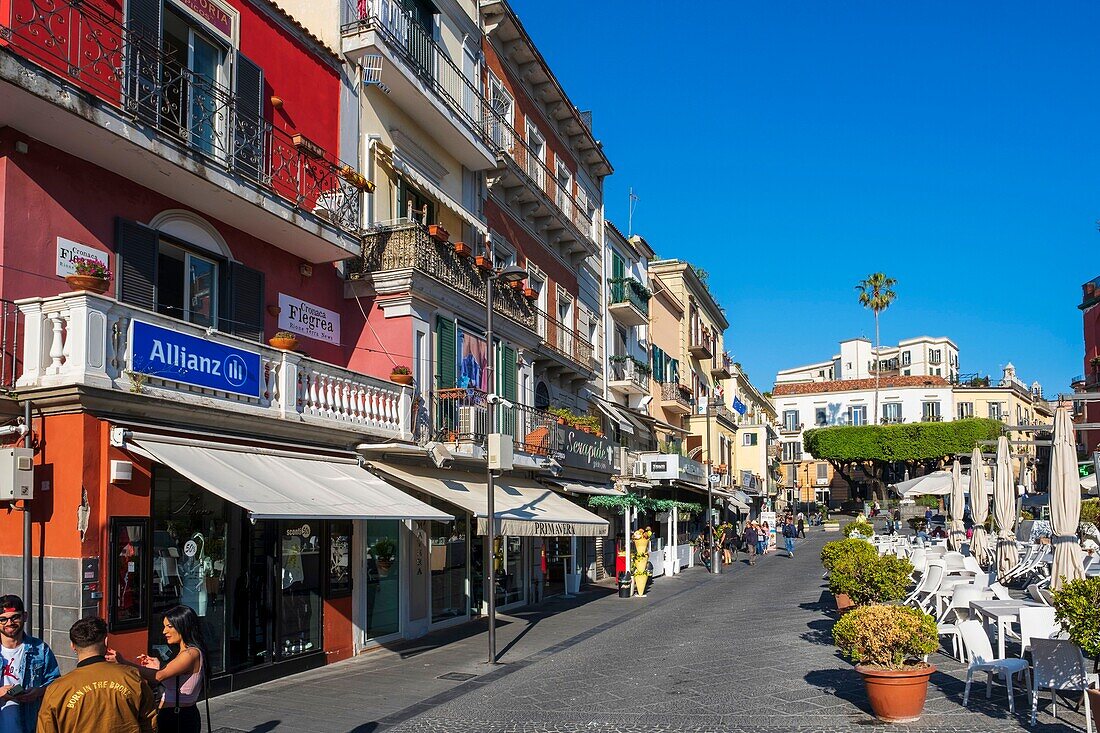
x=27 y=565
x=368 y=166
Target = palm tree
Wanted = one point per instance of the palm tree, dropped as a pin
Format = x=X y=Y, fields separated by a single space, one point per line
x=877 y=293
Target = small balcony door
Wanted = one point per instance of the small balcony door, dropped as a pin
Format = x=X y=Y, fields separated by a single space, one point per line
x=537 y=156
x=196 y=103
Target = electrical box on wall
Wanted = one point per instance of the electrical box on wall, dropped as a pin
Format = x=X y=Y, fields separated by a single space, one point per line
x=121 y=471
x=500 y=452
x=16 y=474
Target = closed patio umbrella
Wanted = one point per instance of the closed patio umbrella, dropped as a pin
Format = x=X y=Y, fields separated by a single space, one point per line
x=958 y=507
x=1065 y=502
x=979 y=508
x=1004 y=507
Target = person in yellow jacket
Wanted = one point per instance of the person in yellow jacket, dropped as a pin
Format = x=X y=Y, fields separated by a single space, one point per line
x=97 y=695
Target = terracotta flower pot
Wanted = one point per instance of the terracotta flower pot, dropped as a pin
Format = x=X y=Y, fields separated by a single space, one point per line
x=530 y=293
x=640 y=583
x=283 y=343
x=88 y=282
x=896 y=695
x=462 y=249
x=483 y=262
x=438 y=233
x=1094 y=703
x=405 y=379
x=843 y=603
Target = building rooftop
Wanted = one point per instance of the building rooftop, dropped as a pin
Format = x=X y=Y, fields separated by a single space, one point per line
x=855 y=385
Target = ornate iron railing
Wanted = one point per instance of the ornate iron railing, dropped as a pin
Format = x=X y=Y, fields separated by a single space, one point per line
x=409 y=245
x=676 y=392
x=461 y=415
x=629 y=290
x=103 y=57
x=564 y=340
x=629 y=370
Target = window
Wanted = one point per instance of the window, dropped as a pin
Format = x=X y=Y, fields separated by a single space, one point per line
x=536 y=160
x=822 y=471
x=905 y=373
x=966 y=409
x=195 y=78
x=564 y=194
x=413 y=204
x=749 y=439
x=821 y=417
x=790 y=420
x=996 y=411
x=792 y=451
x=448 y=567
x=300 y=598
x=338 y=554
x=891 y=412
x=857 y=415
x=187 y=285
x=906 y=358
x=935 y=356
x=930 y=411
x=128 y=556
x=501 y=104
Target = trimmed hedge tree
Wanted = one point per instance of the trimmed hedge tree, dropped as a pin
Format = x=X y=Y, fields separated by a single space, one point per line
x=873 y=447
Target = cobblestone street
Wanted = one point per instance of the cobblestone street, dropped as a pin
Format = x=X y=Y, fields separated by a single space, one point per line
x=749 y=650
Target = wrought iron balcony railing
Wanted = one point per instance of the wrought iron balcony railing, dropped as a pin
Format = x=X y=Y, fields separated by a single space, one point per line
x=629 y=290
x=100 y=55
x=629 y=370
x=409 y=245
x=678 y=393
x=461 y=415
x=564 y=340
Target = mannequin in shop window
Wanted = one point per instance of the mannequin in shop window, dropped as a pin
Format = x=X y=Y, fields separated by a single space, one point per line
x=195 y=568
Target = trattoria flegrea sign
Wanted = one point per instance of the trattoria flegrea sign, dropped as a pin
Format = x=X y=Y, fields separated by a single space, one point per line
x=179 y=357
x=584 y=450
x=306 y=319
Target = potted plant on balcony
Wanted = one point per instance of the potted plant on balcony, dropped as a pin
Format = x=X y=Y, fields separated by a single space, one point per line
x=530 y=293
x=889 y=645
x=401 y=374
x=90 y=275
x=356 y=179
x=483 y=263
x=517 y=284
x=462 y=249
x=284 y=340
x=438 y=233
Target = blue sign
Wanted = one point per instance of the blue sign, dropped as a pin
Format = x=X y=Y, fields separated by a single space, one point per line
x=167 y=354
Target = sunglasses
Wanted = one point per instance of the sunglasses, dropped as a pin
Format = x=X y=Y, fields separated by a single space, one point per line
x=11 y=620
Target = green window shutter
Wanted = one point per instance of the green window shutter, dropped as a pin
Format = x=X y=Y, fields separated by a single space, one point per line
x=508 y=368
x=674 y=368
x=445 y=352
x=658 y=365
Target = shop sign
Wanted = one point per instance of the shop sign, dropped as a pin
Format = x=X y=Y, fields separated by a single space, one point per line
x=584 y=450
x=213 y=13
x=553 y=529
x=306 y=319
x=179 y=357
x=68 y=249
x=302 y=531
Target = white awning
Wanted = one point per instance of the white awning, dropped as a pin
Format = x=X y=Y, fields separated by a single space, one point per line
x=523 y=508
x=732 y=499
x=613 y=414
x=409 y=170
x=581 y=487
x=280 y=484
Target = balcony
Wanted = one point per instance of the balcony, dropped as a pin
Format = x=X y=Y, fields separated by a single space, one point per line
x=791 y=428
x=931 y=418
x=77 y=79
x=461 y=416
x=88 y=341
x=565 y=344
x=725 y=414
x=677 y=398
x=702 y=345
x=628 y=376
x=420 y=77
x=722 y=367
x=409 y=247
x=1090 y=293
x=629 y=303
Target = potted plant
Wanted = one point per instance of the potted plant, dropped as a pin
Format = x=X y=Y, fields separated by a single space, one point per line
x=530 y=293
x=870 y=579
x=284 y=340
x=483 y=263
x=888 y=645
x=641 y=558
x=356 y=178
x=833 y=552
x=401 y=374
x=90 y=275
x=1077 y=609
x=517 y=284
x=384 y=552
x=438 y=233
x=462 y=249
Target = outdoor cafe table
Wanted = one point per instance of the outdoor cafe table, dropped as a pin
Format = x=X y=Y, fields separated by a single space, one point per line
x=1002 y=613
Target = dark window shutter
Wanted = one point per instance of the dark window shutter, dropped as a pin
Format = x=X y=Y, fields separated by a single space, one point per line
x=508 y=375
x=143 y=85
x=248 y=127
x=674 y=369
x=618 y=267
x=246 y=302
x=658 y=365
x=136 y=247
x=445 y=352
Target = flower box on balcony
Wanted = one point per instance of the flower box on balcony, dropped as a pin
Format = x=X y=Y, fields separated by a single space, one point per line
x=307 y=146
x=483 y=263
x=88 y=282
x=283 y=340
x=516 y=285
x=356 y=179
x=438 y=233
x=530 y=293
x=462 y=249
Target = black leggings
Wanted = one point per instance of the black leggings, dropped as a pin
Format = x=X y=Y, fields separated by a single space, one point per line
x=187 y=720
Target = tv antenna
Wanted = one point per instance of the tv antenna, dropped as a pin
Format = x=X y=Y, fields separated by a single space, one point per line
x=632 y=199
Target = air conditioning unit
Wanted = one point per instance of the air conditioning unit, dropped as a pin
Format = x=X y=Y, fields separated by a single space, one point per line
x=472 y=420
x=821 y=482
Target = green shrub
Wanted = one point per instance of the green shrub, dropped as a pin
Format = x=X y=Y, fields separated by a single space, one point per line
x=932 y=502
x=886 y=636
x=836 y=549
x=1090 y=511
x=1077 y=609
x=860 y=527
x=870 y=579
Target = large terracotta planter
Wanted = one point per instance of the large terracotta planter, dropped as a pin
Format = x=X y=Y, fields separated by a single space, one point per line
x=284 y=344
x=88 y=282
x=401 y=378
x=896 y=695
x=1094 y=703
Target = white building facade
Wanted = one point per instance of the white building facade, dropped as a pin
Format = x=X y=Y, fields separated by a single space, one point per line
x=923 y=356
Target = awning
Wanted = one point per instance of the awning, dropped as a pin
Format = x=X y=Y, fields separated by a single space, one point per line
x=523 y=508
x=281 y=484
x=609 y=409
x=581 y=487
x=732 y=499
x=410 y=171
x=662 y=425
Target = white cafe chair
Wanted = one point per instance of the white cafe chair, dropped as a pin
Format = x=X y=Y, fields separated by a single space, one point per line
x=979 y=652
x=1059 y=665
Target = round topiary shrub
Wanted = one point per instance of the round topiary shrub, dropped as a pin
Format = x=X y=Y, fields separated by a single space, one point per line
x=836 y=549
x=872 y=579
x=890 y=637
x=859 y=527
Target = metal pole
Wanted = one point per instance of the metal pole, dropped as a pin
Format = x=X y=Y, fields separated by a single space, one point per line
x=710 y=498
x=490 y=428
x=28 y=568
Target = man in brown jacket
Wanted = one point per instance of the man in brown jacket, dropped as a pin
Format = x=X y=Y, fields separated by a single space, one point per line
x=97 y=695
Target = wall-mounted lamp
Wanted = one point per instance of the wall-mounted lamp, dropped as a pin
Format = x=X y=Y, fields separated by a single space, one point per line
x=305 y=269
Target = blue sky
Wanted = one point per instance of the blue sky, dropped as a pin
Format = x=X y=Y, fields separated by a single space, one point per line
x=790 y=149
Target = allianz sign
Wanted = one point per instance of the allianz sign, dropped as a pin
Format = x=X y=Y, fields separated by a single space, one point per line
x=179 y=357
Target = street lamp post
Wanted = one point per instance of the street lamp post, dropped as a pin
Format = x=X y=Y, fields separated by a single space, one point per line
x=509 y=274
x=710 y=496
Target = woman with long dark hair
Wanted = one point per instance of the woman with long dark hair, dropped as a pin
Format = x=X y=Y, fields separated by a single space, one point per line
x=182 y=676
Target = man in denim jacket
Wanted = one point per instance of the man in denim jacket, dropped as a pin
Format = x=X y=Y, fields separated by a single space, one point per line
x=28 y=662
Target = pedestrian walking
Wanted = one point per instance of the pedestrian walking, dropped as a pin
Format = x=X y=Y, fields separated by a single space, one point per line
x=751 y=540
x=182 y=677
x=801 y=525
x=729 y=544
x=29 y=667
x=897 y=520
x=789 y=533
x=97 y=695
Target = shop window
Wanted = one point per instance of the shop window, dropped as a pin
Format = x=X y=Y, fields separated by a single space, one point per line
x=300 y=559
x=339 y=558
x=128 y=555
x=383 y=578
x=448 y=567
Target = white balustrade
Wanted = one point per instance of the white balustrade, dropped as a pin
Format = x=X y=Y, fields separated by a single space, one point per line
x=84 y=339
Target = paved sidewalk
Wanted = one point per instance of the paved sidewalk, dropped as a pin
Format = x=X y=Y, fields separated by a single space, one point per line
x=749 y=650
